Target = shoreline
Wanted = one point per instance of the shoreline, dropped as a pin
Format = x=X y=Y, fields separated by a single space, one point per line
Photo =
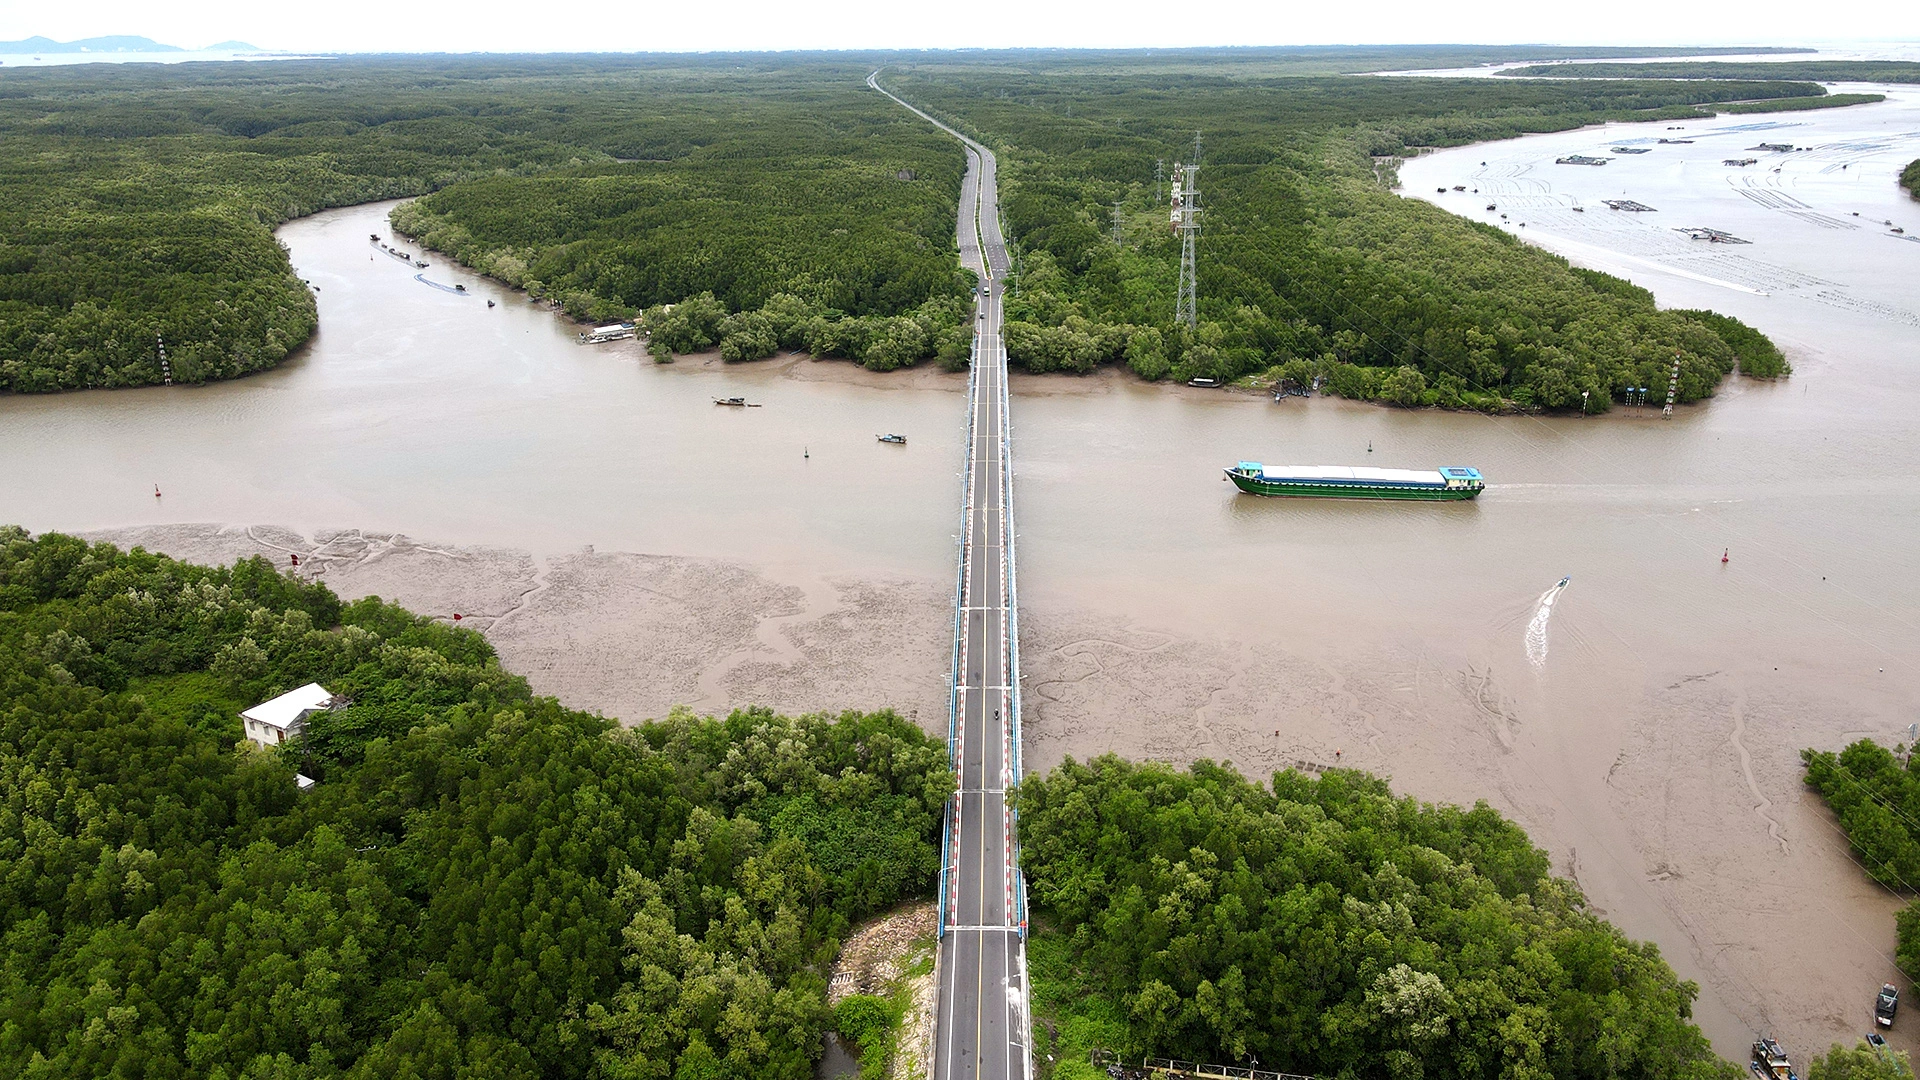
x=1630 y=800
x=710 y=358
x=1662 y=776
x=627 y=634
x=1681 y=801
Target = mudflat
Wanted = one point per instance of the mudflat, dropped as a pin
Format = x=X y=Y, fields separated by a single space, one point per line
x=1643 y=724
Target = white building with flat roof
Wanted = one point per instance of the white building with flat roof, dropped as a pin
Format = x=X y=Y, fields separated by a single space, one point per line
x=271 y=723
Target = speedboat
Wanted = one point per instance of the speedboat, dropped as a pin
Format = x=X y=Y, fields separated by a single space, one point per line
x=1565 y=580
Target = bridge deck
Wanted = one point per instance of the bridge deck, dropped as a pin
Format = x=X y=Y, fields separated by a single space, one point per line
x=982 y=1027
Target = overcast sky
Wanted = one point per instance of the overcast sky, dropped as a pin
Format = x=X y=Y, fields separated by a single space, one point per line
x=613 y=25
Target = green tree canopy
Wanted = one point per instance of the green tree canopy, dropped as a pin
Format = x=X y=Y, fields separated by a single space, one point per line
x=1306 y=255
x=482 y=884
x=1330 y=928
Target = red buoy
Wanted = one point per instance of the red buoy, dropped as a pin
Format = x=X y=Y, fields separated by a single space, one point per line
x=1723 y=556
x=456 y=618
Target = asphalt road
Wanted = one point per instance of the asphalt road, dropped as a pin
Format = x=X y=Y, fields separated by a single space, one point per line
x=983 y=1022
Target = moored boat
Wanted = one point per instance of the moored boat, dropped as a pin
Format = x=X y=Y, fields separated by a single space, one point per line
x=611 y=332
x=1355 y=482
x=1770 y=1062
x=897 y=440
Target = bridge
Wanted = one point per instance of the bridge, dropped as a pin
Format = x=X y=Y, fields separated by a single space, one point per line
x=983 y=1027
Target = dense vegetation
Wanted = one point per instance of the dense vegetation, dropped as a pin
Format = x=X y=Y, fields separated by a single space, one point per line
x=483 y=883
x=1245 y=60
x=137 y=201
x=1876 y=796
x=1910 y=178
x=1800 y=104
x=797 y=210
x=813 y=189
x=1878 y=71
x=1311 y=267
x=1326 y=927
x=1861 y=1062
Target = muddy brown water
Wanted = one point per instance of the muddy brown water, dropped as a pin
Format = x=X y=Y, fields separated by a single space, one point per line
x=1643 y=723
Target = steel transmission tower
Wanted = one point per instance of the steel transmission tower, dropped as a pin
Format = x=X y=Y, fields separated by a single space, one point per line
x=1187 y=308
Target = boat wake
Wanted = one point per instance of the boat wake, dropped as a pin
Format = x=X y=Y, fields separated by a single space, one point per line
x=456 y=290
x=1537 y=627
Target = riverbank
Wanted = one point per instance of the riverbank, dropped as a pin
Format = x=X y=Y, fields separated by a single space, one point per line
x=1662 y=832
x=1681 y=802
x=1638 y=729
x=631 y=635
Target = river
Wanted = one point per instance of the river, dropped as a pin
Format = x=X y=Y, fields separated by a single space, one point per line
x=629 y=545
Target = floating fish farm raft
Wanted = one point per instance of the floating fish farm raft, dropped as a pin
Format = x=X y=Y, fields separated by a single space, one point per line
x=1579 y=159
x=1711 y=235
x=1629 y=204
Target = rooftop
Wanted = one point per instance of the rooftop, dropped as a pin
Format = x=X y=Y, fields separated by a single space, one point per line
x=289 y=707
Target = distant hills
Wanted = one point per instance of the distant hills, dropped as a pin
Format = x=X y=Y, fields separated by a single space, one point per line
x=112 y=43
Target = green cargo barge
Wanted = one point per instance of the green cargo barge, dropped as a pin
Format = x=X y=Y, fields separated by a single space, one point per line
x=1353 y=482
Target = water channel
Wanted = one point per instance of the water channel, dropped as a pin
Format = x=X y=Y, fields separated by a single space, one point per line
x=1643 y=723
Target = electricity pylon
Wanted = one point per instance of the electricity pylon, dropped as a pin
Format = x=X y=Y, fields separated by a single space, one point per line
x=1187 y=307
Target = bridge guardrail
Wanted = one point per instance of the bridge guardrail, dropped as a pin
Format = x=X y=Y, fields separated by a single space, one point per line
x=1203 y=1071
x=1013 y=645
x=950 y=823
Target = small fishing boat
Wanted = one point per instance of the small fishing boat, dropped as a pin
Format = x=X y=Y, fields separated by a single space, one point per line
x=1566 y=580
x=421 y=263
x=897 y=440
x=459 y=288
x=736 y=402
x=489 y=303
